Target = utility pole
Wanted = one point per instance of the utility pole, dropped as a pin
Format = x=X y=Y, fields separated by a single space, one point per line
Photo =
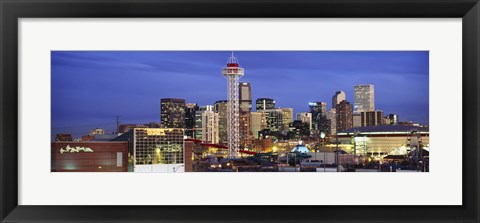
x=337 y=159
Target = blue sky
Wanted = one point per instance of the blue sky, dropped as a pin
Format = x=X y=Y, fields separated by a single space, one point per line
x=90 y=88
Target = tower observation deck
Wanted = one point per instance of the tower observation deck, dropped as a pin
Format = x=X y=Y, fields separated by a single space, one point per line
x=233 y=72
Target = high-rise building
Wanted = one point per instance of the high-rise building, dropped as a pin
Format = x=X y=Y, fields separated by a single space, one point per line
x=364 y=98
x=319 y=116
x=344 y=115
x=371 y=118
x=298 y=129
x=287 y=117
x=264 y=104
x=190 y=109
x=206 y=125
x=172 y=112
x=233 y=72
x=220 y=107
x=274 y=119
x=337 y=98
x=246 y=135
x=332 y=121
x=258 y=122
x=245 y=94
x=305 y=117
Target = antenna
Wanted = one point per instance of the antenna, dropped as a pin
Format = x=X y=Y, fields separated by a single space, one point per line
x=117 y=124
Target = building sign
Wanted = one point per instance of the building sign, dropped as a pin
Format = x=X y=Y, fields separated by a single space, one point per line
x=75 y=149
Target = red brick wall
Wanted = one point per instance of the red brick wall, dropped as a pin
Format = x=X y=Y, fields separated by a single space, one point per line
x=102 y=159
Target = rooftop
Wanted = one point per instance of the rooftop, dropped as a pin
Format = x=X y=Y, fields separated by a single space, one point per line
x=386 y=129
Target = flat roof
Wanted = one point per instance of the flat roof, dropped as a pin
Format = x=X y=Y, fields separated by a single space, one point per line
x=385 y=129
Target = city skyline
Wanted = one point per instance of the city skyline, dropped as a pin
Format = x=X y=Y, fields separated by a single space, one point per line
x=90 y=88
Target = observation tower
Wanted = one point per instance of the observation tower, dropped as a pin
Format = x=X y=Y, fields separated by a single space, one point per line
x=233 y=72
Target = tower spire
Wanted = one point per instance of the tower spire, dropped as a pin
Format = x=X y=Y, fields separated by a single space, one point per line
x=233 y=72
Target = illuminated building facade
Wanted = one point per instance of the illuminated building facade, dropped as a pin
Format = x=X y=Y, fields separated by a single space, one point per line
x=246 y=135
x=364 y=98
x=258 y=122
x=172 y=112
x=87 y=138
x=305 y=117
x=264 y=104
x=338 y=97
x=383 y=139
x=274 y=119
x=371 y=118
x=332 y=121
x=233 y=72
x=206 y=125
x=220 y=108
x=97 y=131
x=319 y=116
x=298 y=129
x=190 y=109
x=357 y=119
x=391 y=119
x=287 y=117
x=155 y=149
x=245 y=94
x=344 y=115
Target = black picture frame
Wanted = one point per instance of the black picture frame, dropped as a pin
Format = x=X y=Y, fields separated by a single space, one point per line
x=12 y=10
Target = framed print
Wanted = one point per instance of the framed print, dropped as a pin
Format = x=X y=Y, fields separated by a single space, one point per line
x=174 y=111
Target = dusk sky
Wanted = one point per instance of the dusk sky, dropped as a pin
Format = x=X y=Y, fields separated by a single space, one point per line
x=90 y=88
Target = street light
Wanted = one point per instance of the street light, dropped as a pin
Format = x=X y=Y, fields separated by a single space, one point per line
x=322 y=136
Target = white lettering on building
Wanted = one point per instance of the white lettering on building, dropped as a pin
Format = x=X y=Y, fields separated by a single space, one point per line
x=76 y=149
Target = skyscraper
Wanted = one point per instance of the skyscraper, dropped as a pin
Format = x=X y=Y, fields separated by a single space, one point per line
x=233 y=72
x=319 y=116
x=206 y=125
x=305 y=117
x=332 y=121
x=274 y=119
x=287 y=117
x=364 y=98
x=245 y=94
x=172 y=112
x=337 y=98
x=246 y=137
x=344 y=115
x=264 y=104
x=258 y=122
x=190 y=109
x=220 y=107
